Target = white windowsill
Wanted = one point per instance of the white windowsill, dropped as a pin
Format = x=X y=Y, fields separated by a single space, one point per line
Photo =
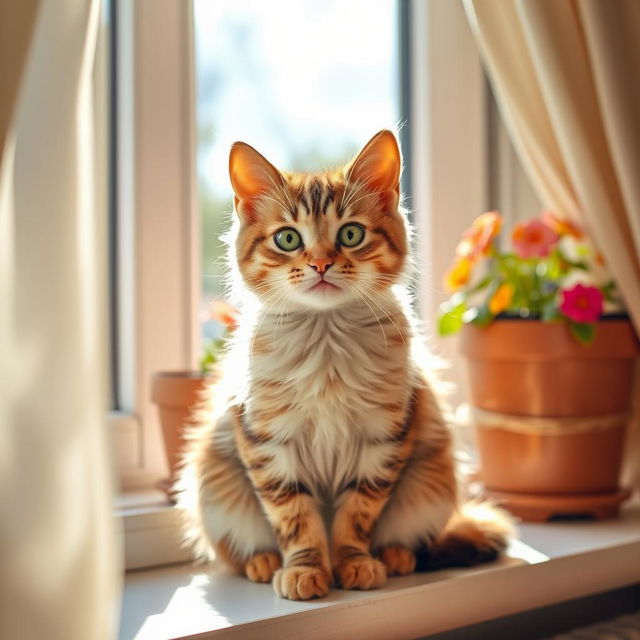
x=551 y=563
x=151 y=530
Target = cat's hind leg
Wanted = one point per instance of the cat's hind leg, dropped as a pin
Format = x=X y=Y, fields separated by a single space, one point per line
x=398 y=559
x=223 y=517
x=424 y=527
x=418 y=510
x=262 y=566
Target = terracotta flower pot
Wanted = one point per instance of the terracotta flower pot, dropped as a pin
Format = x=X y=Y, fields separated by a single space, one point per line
x=176 y=393
x=551 y=414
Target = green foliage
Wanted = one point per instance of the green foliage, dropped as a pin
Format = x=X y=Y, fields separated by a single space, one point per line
x=211 y=355
x=534 y=281
x=582 y=332
x=550 y=312
x=482 y=316
x=450 y=320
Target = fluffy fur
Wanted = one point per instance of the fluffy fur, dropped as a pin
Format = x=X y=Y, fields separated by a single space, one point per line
x=321 y=454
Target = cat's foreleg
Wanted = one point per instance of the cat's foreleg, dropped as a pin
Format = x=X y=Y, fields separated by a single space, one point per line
x=301 y=537
x=294 y=517
x=358 y=508
x=360 y=504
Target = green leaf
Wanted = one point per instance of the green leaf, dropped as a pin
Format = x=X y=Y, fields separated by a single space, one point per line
x=550 y=312
x=610 y=292
x=485 y=282
x=576 y=264
x=210 y=354
x=455 y=300
x=450 y=320
x=483 y=316
x=583 y=332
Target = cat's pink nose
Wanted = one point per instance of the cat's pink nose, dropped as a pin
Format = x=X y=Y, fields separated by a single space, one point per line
x=320 y=264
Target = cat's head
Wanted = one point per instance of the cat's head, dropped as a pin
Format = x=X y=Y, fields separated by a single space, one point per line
x=320 y=240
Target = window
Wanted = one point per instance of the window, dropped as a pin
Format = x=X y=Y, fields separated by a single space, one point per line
x=156 y=252
x=251 y=70
x=407 y=62
x=305 y=82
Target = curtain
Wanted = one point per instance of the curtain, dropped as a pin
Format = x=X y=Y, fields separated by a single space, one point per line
x=58 y=552
x=565 y=75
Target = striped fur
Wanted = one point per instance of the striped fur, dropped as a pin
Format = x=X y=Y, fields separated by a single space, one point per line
x=322 y=446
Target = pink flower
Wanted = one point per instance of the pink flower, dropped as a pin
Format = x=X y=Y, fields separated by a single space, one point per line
x=533 y=239
x=582 y=304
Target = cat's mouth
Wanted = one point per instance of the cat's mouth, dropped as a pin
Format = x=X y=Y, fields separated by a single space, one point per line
x=323 y=285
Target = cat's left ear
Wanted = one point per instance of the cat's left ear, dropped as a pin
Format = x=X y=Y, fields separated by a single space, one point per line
x=252 y=176
x=379 y=165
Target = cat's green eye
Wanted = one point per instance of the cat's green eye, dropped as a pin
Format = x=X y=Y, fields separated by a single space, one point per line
x=287 y=239
x=351 y=235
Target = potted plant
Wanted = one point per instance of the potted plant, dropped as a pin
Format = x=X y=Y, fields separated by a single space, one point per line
x=550 y=358
x=176 y=393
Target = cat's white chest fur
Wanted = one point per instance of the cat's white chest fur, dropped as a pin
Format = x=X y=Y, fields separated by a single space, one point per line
x=334 y=370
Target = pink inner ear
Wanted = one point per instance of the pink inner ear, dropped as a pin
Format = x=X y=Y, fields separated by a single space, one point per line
x=251 y=176
x=378 y=164
x=245 y=209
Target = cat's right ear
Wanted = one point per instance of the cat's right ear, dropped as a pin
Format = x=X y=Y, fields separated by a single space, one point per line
x=252 y=175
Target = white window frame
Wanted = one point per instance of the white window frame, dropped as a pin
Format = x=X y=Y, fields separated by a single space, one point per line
x=449 y=164
x=512 y=192
x=156 y=205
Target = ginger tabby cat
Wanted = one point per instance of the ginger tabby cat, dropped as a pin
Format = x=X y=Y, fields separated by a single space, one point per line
x=321 y=453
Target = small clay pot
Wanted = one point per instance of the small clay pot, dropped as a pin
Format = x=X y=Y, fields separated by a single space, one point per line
x=529 y=369
x=176 y=393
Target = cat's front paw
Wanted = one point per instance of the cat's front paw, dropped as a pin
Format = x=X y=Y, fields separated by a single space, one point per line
x=398 y=560
x=301 y=583
x=361 y=573
x=261 y=566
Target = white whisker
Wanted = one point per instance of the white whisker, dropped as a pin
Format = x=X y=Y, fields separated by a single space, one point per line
x=370 y=297
x=375 y=315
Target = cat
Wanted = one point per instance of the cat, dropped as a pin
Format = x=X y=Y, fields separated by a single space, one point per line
x=321 y=454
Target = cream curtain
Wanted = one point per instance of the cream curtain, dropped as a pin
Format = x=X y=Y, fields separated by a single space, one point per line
x=566 y=78
x=565 y=74
x=58 y=554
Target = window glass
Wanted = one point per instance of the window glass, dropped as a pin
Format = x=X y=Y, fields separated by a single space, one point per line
x=306 y=82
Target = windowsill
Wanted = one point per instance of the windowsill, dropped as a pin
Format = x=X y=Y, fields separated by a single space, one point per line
x=551 y=563
x=151 y=530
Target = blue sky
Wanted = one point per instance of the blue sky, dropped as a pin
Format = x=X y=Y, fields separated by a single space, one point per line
x=293 y=78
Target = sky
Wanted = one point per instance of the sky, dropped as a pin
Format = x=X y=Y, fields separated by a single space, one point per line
x=303 y=81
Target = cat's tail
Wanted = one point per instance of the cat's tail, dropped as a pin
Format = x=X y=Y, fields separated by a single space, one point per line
x=477 y=532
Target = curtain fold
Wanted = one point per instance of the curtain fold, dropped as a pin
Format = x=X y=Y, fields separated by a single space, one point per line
x=16 y=25
x=565 y=76
x=58 y=545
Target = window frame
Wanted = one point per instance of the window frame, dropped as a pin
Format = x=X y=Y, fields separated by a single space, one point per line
x=155 y=207
x=450 y=154
x=155 y=192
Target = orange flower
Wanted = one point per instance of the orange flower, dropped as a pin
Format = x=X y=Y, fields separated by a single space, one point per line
x=476 y=240
x=562 y=226
x=224 y=313
x=458 y=275
x=501 y=299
